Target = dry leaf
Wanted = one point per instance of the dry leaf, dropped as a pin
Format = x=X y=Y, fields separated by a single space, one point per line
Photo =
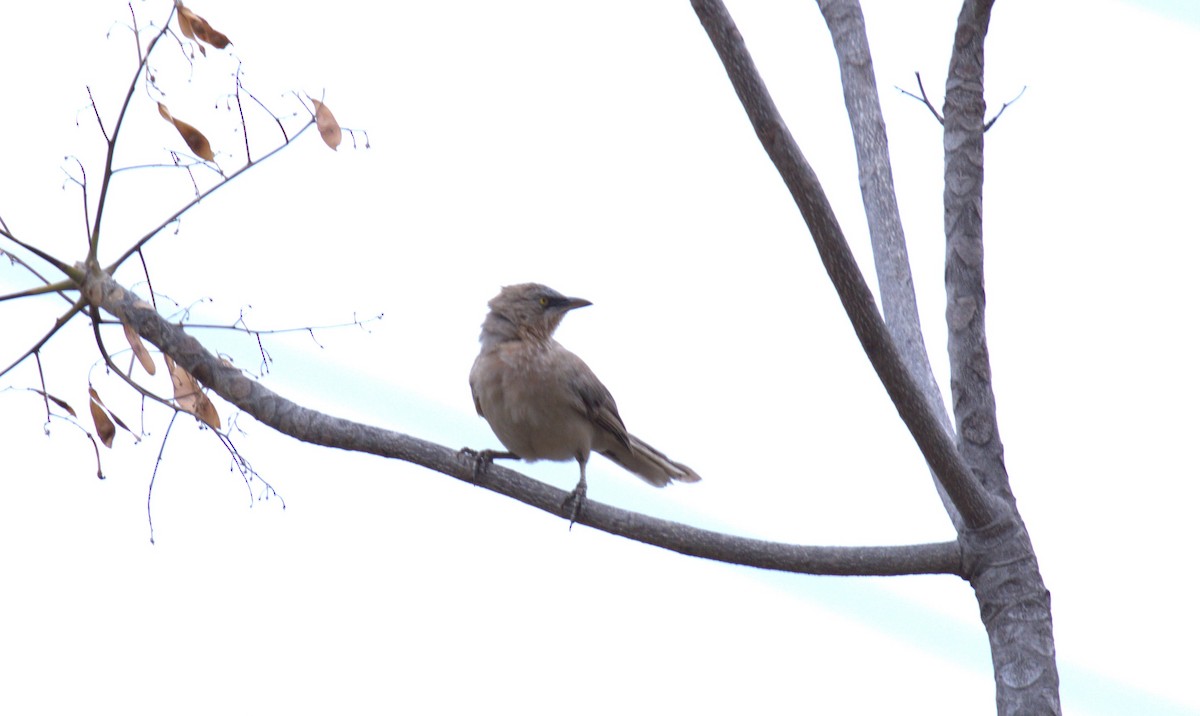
x=327 y=125
x=104 y=427
x=206 y=411
x=189 y=395
x=139 y=348
x=196 y=141
x=57 y=401
x=185 y=25
x=120 y=423
x=197 y=28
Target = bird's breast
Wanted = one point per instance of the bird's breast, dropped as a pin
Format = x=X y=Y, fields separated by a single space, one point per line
x=528 y=401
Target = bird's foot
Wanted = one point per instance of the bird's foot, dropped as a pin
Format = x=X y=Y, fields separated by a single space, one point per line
x=573 y=505
x=483 y=458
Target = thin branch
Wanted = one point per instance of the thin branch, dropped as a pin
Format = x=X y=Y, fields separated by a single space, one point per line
x=924 y=98
x=187 y=166
x=37 y=358
x=94 y=239
x=82 y=183
x=154 y=474
x=58 y=324
x=199 y=198
x=242 y=88
x=60 y=265
x=911 y=402
x=989 y=123
x=240 y=325
x=237 y=94
x=137 y=40
x=320 y=429
x=96 y=110
x=108 y=362
x=146 y=273
x=57 y=287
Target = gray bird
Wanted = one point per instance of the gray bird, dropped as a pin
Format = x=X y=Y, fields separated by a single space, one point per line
x=543 y=401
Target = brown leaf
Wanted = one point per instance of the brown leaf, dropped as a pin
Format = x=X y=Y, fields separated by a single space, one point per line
x=139 y=348
x=206 y=411
x=197 y=28
x=120 y=423
x=185 y=25
x=104 y=427
x=190 y=397
x=327 y=125
x=196 y=141
x=60 y=403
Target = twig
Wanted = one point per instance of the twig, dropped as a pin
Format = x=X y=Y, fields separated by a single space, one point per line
x=58 y=324
x=199 y=198
x=988 y=125
x=96 y=110
x=104 y=354
x=82 y=182
x=923 y=98
x=94 y=240
x=174 y=165
x=47 y=287
x=149 y=286
x=137 y=40
x=154 y=474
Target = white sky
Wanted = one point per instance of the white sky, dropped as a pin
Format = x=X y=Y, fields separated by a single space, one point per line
x=599 y=149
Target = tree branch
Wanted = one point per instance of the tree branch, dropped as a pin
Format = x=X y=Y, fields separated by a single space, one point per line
x=888 y=245
x=911 y=403
x=94 y=239
x=1013 y=599
x=923 y=98
x=320 y=429
x=970 y=365
x=137 y=246
x=36 y=252
x=61 y=321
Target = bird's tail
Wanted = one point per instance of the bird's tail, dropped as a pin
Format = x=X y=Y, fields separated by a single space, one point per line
x=650 y=464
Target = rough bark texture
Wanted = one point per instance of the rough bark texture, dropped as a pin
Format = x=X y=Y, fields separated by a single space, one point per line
x=896 y=292
x=1013 y=600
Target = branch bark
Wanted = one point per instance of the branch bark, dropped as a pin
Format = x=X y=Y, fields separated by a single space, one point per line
x=848 y=29
x=1013 y=600
x=937 y=446
x=970 y=365
x=320 y=429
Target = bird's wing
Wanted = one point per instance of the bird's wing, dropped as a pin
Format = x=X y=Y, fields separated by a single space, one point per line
x=596 y=402
x=474 y=392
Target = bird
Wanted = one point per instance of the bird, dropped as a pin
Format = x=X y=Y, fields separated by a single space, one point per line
x=544 y=403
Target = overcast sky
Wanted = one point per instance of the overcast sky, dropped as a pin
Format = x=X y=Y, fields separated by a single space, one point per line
x=598 y=149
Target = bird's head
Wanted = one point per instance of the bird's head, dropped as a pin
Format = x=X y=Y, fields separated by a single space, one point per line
x=527 y=310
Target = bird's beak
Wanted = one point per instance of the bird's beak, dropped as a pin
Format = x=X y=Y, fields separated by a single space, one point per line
x=573 y=303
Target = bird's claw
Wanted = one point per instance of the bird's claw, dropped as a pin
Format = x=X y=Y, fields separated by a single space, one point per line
x=573 y=505
x=478 y=458
x=484 y=457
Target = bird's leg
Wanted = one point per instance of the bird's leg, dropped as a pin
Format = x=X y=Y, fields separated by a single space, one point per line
x=485 y=457
x=574 y=502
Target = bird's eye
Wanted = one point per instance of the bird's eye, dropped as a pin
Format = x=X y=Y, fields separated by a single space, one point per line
x=543 y=301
